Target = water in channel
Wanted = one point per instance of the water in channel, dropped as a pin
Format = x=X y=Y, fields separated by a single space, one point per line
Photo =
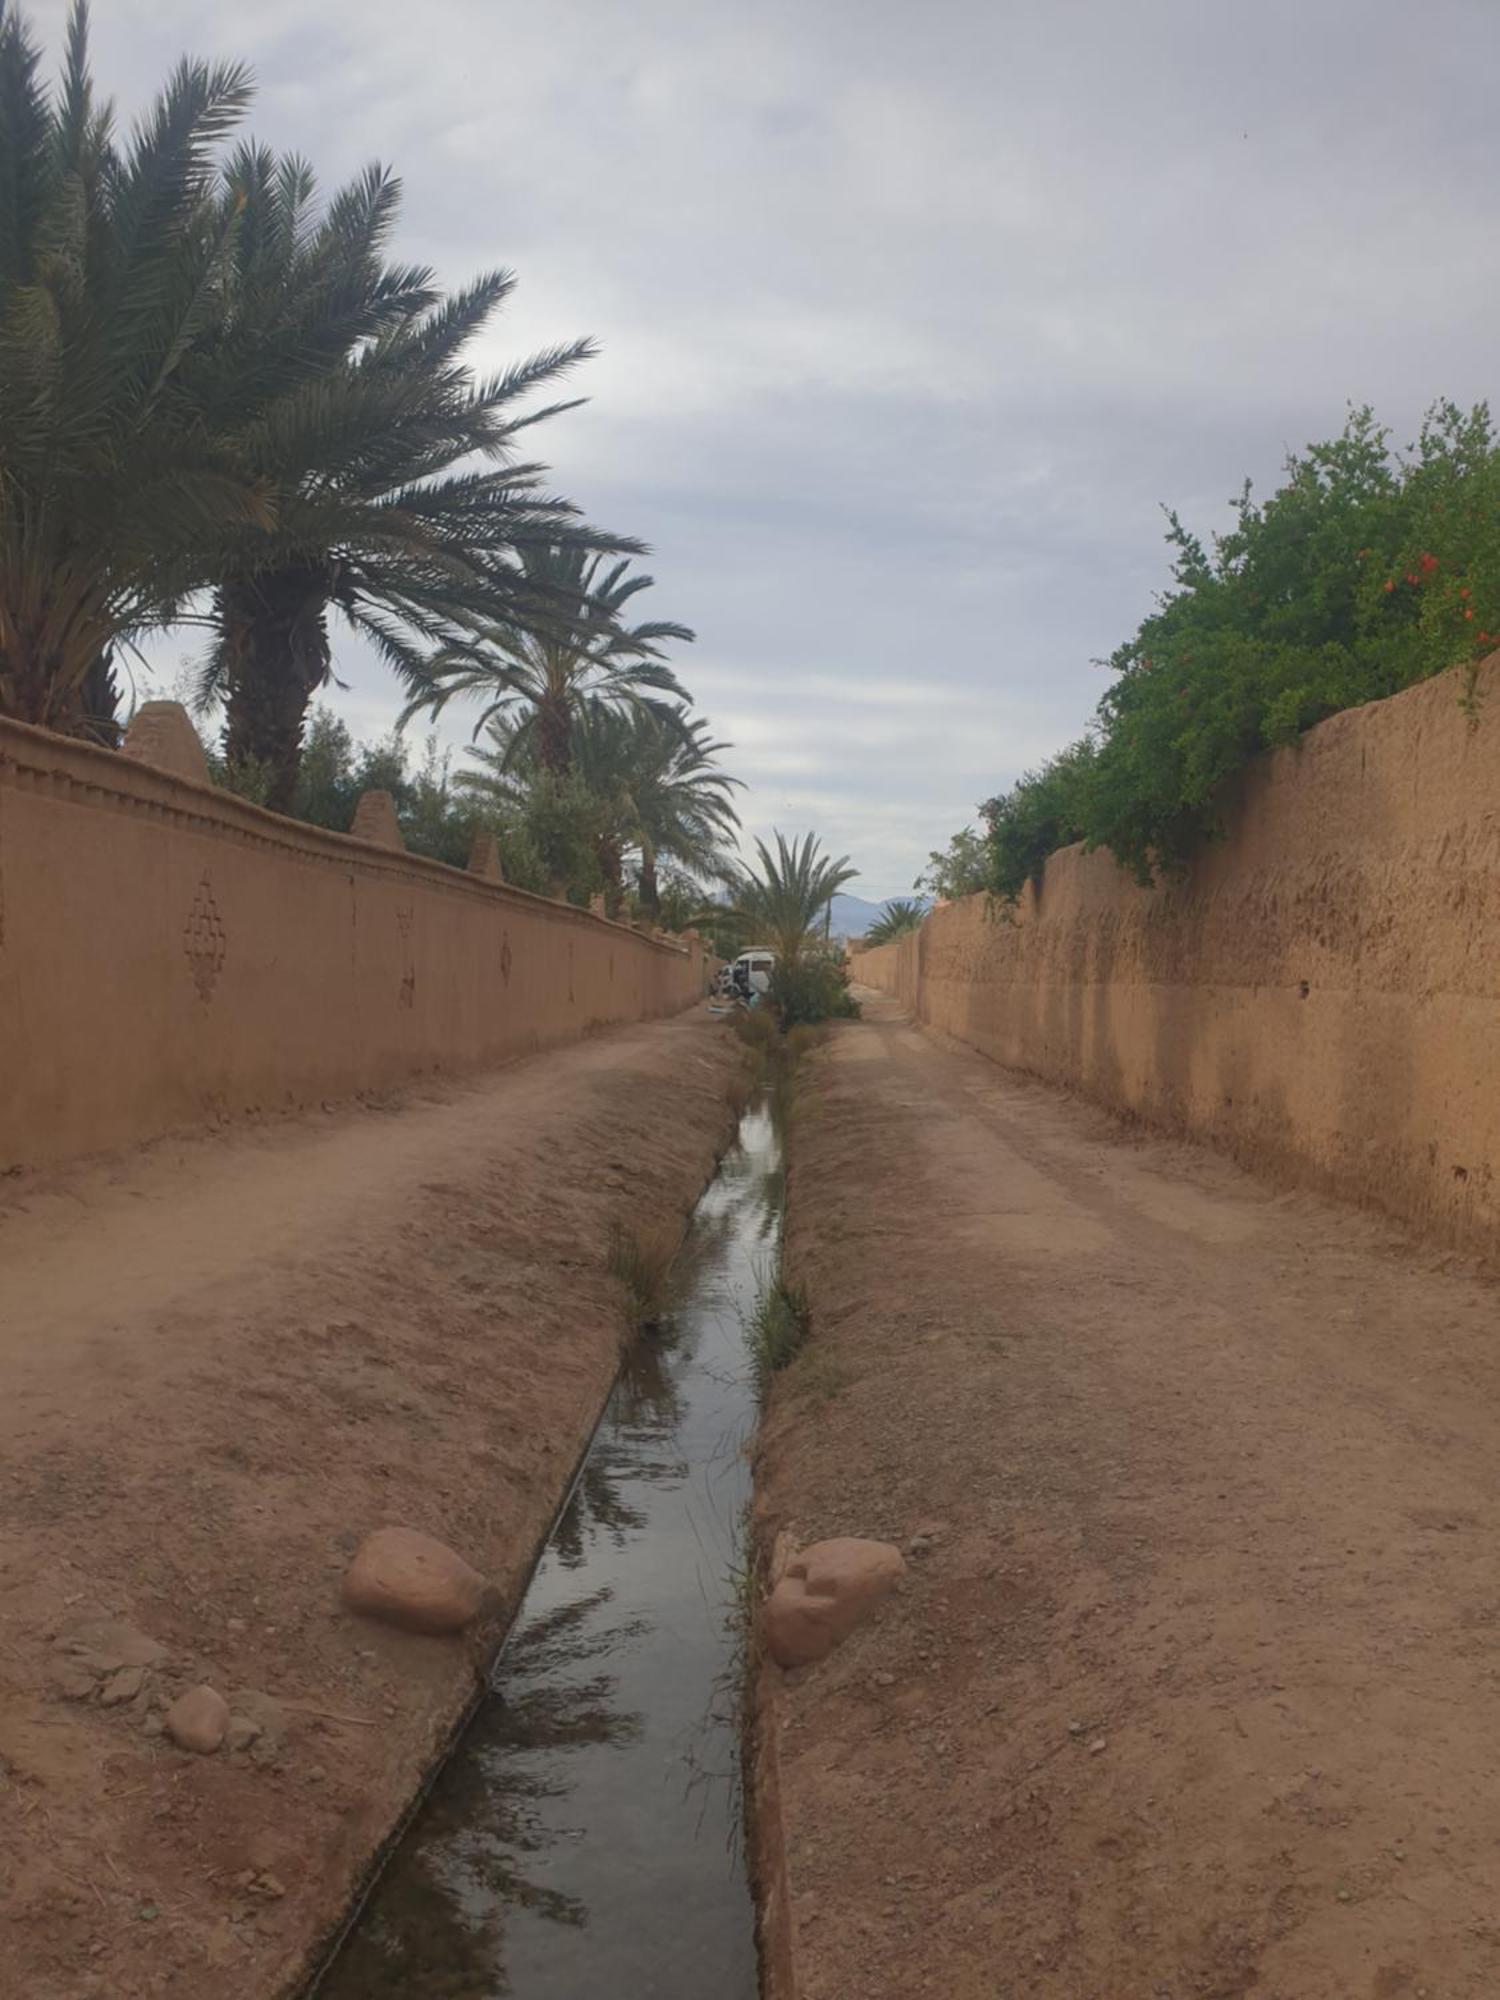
x=584 y=1838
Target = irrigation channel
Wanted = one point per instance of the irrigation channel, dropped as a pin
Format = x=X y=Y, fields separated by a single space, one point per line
x=585 y=1837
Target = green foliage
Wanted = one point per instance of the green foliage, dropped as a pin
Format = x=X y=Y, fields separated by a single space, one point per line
x=1365 y=572
x=564 y=823
x=962 y=868
x=208 y=384
x=895 y=920
x=784 y=900
x=637 y=783
x=811 y=988
x=121 y=492
x=727 y=929
x=1040 y=813
x=537 y=674
x=436 y=817
x=394 y=489
x=222 y=403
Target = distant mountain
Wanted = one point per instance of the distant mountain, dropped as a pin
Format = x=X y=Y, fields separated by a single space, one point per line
x=853 y=916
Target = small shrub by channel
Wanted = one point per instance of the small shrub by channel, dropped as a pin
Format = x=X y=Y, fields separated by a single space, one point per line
x=777 y=1330
x=813 y=988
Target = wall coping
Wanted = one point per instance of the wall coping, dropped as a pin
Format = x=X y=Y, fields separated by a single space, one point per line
x=41 y=760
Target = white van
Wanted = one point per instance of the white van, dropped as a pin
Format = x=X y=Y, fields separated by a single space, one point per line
x=751 y=973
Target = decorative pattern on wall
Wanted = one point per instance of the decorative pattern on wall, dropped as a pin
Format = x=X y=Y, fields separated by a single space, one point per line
x=204 y=941
x=251 y=984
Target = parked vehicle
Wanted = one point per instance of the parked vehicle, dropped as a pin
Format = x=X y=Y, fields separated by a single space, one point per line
x=750 y=975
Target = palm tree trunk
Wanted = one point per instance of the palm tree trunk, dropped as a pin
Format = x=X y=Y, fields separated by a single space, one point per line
x=650 y=893
x=39 y=681
x=554 y=736
x=275 y=636
x=612 y=868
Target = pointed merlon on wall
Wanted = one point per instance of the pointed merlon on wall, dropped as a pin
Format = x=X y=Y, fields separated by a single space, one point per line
x=484 y=857
x=375 y=820
x=161 y=734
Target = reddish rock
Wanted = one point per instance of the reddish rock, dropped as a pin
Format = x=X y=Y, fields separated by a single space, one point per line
x=197 y=1720
x=411 y=1580
x=823 y=1594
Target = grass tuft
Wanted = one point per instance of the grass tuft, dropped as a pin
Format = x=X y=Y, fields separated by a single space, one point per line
x=778 y=1327
x=641 y=1261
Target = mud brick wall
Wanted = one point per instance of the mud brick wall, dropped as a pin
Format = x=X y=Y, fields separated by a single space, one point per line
x=1319 y=994
x=170 y=954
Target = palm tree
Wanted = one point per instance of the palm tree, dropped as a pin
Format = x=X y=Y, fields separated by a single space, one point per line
x=898 y=917
x=656 y=781
x=672 y=800
x=118 y=493
x=567 y=649
x=787 y=896
x=362 y=429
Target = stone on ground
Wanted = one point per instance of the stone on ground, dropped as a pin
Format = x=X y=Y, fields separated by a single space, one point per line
x=413 y=1581
x=825 y=1592
x=198 y=1719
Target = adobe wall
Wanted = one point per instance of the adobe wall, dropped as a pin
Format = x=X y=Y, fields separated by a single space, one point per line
x=170 y=954
x=1320 y=994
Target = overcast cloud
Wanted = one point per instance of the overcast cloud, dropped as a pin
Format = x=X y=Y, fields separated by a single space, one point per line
x=912 y=316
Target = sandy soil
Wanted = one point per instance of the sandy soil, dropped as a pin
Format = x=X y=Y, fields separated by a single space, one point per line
x=226 y=1359
x=1196 y=1688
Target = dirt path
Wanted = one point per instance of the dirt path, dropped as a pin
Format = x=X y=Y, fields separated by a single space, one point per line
x=1197 y=1692
x=224 y=1360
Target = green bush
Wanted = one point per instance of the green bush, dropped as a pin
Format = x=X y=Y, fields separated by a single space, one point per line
x=1366 y=571
x=962 y=868
x=1045 y=810
x=811 y=988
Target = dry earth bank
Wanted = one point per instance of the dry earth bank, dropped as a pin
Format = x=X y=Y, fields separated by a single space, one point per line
x=226 y=1359
x=1192 y=1687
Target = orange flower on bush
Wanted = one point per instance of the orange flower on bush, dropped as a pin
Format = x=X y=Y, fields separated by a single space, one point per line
x=1429 y=563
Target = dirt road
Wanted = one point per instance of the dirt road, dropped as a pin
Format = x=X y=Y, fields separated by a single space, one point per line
x=224 y=1361
x=1196 y=1688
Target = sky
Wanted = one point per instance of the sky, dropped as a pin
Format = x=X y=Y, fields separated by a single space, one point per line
x=912 y=317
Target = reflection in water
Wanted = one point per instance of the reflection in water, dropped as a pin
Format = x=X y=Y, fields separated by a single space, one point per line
x=583 y=1840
